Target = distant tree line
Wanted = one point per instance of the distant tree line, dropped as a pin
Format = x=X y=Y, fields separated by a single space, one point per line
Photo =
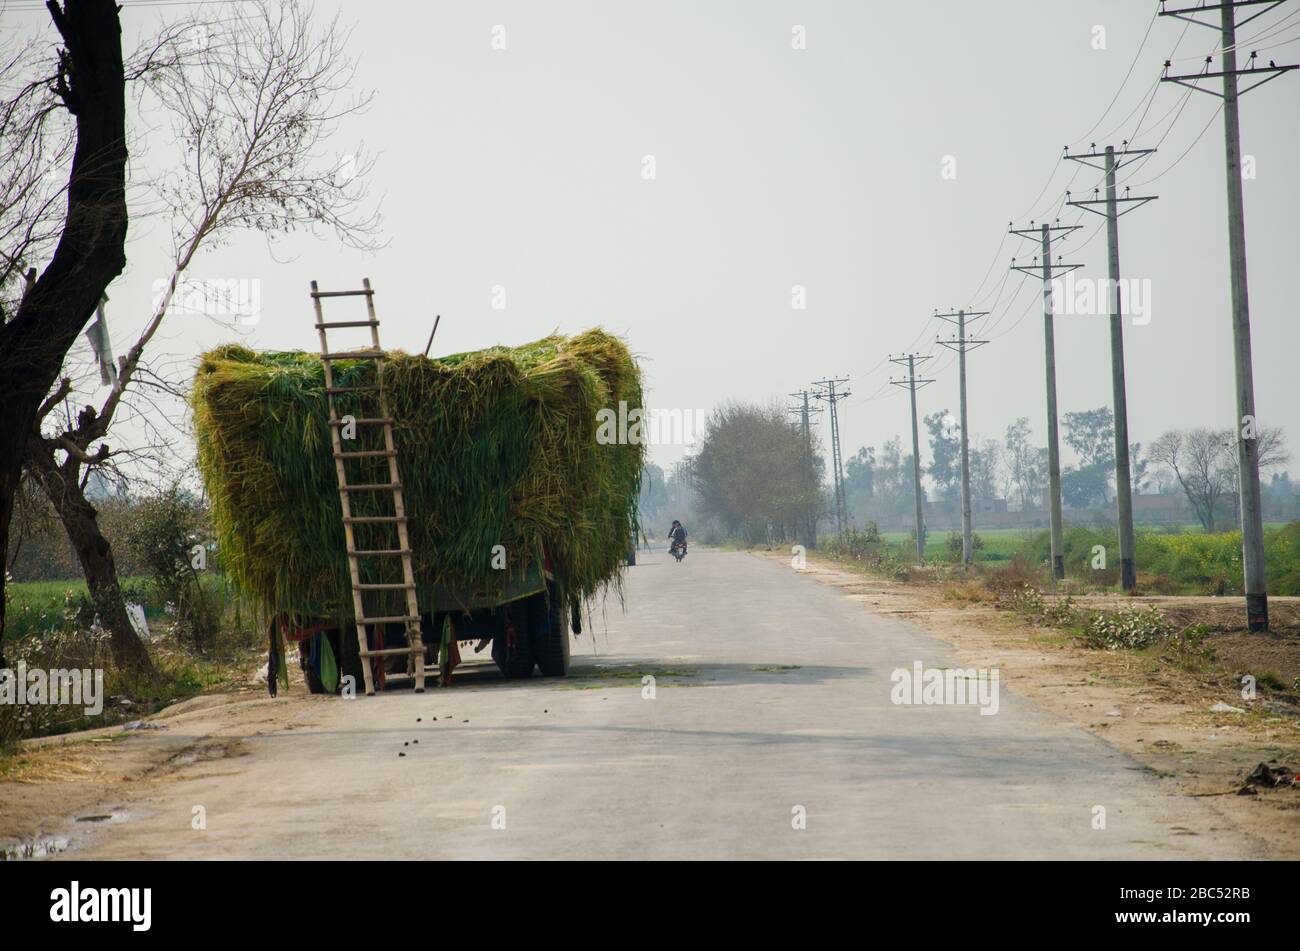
x=1200 y=464
x=756 y=480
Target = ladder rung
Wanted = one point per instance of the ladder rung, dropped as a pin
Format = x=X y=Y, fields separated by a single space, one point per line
x=364 y=421
x=378 y=487
x=364 y=293
x=357 y=519
x=352 y=389
x=389 y=651
x=380 y=551
x=354 y=355
x=362 y=453
x=331 y=324
x=388 y=620
x=385 y=586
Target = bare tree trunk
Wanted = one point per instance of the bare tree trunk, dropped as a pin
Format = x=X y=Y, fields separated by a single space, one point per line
x=95 y=553
x=91 y=250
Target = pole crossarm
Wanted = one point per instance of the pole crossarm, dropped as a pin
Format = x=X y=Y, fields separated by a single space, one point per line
x=1188 y=13
x=1082 y=157
x=1102 y=201
x=956 y=315
x=1036 y=232
x=1037 y=269
x=910 y=360
x=952 y=343
x=826 y=394
x=812 y=410
x=1273 y=71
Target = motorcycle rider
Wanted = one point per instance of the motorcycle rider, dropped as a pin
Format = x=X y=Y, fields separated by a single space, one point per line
x=677 y=536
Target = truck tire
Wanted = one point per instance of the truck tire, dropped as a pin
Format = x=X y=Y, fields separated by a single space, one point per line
x=549 y=624
x=515 y=661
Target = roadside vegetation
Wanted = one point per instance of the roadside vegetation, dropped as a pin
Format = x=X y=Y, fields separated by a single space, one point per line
x=1176 y=622
x=199 y=633
x=1172 y=560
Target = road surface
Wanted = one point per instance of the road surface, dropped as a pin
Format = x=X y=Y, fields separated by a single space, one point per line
x=770 y=734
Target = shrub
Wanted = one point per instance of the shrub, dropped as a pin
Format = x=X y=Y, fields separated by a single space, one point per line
x=1129 y=627
x=953 y=545
x=855 y=543
x=166 y=529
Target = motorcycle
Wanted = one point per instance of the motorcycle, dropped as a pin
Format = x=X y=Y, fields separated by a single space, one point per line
x=678 y=551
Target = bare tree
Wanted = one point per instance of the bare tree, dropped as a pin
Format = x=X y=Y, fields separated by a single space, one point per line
x=1196 y=459
x=1204 y=462
x=88 y=83
x=250 y=99
x=1272 y=453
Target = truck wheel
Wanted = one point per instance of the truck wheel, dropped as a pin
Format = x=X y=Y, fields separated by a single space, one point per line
x=549 y=623
x=515 y=660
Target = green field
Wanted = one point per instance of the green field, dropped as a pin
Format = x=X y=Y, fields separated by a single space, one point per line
x=1000 y=544
x=36 y=607
x=1170 y=559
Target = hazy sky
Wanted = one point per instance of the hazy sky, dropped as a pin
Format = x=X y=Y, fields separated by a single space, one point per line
x=775 y=167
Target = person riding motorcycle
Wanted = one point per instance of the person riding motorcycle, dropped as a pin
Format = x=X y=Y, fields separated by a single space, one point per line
x=677 y=536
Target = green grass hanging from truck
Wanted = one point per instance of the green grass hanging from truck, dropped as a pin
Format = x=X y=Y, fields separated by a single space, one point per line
x=496 y=448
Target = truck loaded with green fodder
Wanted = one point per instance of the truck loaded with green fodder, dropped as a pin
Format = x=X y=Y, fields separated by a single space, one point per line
x=516 y=511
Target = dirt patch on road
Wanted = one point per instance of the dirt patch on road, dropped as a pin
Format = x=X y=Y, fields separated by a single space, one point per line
x=1160 y=711
x=58 y=785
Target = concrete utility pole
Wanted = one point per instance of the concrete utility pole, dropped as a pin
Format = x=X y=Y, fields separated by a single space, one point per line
x=961 y=344
x=806 y=413
x=1247 y=423
x=832 y=397
x=911 y=382
x=1123 y=478
x=1044 y=234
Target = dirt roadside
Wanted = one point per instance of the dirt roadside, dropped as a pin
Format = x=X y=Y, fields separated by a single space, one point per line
x=59 y=787
x=1157 y=714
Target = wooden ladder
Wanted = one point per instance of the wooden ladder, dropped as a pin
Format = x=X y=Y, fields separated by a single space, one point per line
x=402 y=549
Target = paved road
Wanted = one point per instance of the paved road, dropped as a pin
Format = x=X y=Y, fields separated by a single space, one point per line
x=717 y=764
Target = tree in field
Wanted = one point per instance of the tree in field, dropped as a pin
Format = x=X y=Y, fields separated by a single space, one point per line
x=879 y=483
x=1272 y=452
x=1091 y=434
x=860 y=476
x=1195 y=459
x=1284 y=496
x=1204 y=463
x=752 y=473
x=986 y=470
x=945 y=453
x=1085 y=486
x=87 y=85
x=1026 y=464
x=250 y=99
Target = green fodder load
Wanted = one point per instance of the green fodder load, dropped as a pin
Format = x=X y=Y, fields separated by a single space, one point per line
x=496 y=448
